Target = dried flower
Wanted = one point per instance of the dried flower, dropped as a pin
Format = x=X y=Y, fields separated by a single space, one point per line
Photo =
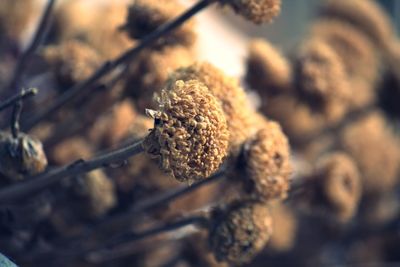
x=145 y=16
x=366 y=15
x=72 y=61
x=240 y=232
x=268 y=71
x=20 y=157
x=268 y=167
x=372 y=143
x=321 y=79
x=239 y=114
x=190 y=135
x=340 y=184
x=256 y=11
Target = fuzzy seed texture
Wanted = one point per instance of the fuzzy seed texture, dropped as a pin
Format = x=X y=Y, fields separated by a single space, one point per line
x=256 y=11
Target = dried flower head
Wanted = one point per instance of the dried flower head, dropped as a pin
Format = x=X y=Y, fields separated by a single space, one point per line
x=239 y=114
x=321 y=79
x=72 y=61
x=239 y=232
x=268 y=166
x=145 y=16
x=94 y=194
x=256 y=11
x=372 y=144
x=23 y=156
x=268 y=71
x=356 y=51
x=340 y=185
x=190 y=135
x=366 y=15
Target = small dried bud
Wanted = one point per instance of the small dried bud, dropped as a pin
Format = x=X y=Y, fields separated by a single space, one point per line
x=321 y=79
x=239 y=114
x=256 y=11
x=240 y=232
x=366 y=15
x=23 y=156
x=190 y=135
x=372 y=143
x=268 y=71
x=73 y=61
x=145 y=16
x=339 y=184
x=268 y=167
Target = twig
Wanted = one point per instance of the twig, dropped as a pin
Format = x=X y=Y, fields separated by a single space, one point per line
x=72 y=92
x=15 y=116
x=42 y=181
x=38 y=38
x=17 y=97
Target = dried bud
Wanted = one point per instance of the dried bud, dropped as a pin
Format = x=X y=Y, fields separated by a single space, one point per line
x=73 y=61
x=366 y=15
x=239 y=232
x=239 y=114
x=145 y=16
x=23 y=156
x=268 y=71
x=94 y=194
x=321 y=79
x=256 y=11
x=268 y=167
x=339 y=183
x=190 y=135
x=372 y=144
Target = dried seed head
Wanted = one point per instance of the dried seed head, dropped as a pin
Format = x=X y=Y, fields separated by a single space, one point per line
x=72 y=61
x=15 y=17
x=321 y=79
x=268 y=71
x=256 y=11
x=354 y=48
x=23 y=156
x=268 y=167
x=240 y=232
x=239 y=114
x=366 y=15
x=149 y=72
x=190 y=135
x=340 y=185
x=372 y=144
x=95 y=194
x=145 y=16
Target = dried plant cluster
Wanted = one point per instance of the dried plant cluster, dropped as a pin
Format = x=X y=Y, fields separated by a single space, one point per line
x=136 y=153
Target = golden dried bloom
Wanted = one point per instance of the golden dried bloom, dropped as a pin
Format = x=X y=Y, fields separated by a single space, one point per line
x=240 y=232
x=285 y=226
x=15 y=16
x=366 y=15
x=145 y=16
x=268 y=166
x=256 y=11
x=72 y=61
x=268 y=71
x=321 y=79
x=239 y=114
x=372 y=144
x=20 y=157
x=95 y=194
x=340 y=185
x=356 y=51
x=150 y=71
x=190 y=135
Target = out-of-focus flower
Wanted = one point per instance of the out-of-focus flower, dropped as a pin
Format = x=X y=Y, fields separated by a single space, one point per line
x=256 y=11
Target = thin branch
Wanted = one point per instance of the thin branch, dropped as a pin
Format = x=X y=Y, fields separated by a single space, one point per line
x=17 y=97
x=42 y=181
x=15 y=116
x=72 y=92
x=37 y=40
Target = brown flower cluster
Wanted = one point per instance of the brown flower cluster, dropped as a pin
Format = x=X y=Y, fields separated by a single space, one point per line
x=190 y=135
